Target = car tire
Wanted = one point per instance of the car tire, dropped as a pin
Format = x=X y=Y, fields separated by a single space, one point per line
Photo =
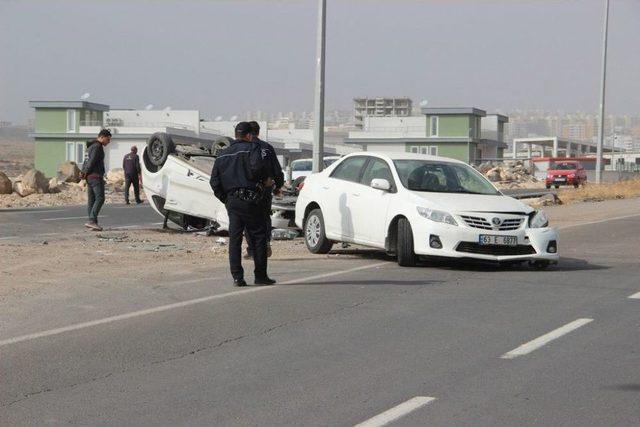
x=159 y=146
x=314 y=233
x=548 y=186
x=557 y=186
x=405 y=253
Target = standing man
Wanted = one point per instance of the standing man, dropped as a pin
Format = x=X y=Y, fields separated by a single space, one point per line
x=131 y=166
x=274 y=171
x=93 y=172
x=237 y=179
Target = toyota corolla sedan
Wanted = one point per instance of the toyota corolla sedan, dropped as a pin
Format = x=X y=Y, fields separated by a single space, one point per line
x=415 y=205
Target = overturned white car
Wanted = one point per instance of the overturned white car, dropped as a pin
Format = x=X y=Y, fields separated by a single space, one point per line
x=176 y=168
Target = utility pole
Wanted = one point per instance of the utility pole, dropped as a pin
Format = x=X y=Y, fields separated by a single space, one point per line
x=600 y=146
x=318 y=131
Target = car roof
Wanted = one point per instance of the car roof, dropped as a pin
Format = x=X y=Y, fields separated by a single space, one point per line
x=406 y=156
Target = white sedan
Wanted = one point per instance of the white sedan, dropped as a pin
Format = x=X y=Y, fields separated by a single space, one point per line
x=412 y=205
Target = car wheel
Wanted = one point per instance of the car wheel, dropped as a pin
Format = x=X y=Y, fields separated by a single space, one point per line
x=539 y=265
x=159 y=146
x=576 y=185
x=406 y=256
x=314 y=233
x=557 y=186
x=548 y=186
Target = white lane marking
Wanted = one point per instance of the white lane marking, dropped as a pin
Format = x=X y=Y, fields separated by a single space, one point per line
x=635 y=296
x=8 y=237
x=45 y=211
x=397 y=412
x=111 y=319
x=535 y=344
x=335 y=273
x=69 y=217
x=615 y=218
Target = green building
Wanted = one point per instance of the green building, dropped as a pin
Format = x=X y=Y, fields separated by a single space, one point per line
x=466 y=134
x=57 y=131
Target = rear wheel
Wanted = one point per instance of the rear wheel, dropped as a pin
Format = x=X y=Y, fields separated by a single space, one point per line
x=557 y=186
x=314 y=233
x=406 y=255
x=159 y=146
x=548 y=186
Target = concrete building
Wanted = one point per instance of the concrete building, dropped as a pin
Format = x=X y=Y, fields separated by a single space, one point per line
x=449 y=132
x=380 y=107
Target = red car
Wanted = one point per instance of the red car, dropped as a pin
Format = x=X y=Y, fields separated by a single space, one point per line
x=567 y=172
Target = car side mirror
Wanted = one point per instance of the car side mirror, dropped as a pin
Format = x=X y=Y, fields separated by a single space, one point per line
x=380 y=184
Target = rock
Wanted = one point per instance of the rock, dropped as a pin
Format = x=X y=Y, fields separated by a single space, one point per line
x=6 y=187
x=550 y=200
x=69 y=172
x=484 y=167
x=505 y=175
x=54 y=185
x=115 y=176
x=493 y=175
x=31 y=182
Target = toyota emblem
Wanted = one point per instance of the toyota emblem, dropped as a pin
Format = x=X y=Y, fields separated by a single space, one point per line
x=496 y=221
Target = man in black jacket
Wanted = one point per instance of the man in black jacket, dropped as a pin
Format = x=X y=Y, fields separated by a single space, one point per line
x=238 y=178
x=93 y=172
x=131 y=166
x=274 y=171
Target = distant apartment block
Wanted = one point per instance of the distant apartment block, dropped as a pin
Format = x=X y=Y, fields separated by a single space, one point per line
x=5 y=124
x=380 y=107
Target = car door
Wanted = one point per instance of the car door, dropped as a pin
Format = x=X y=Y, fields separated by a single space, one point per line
x=370 y=206
x=338 y=197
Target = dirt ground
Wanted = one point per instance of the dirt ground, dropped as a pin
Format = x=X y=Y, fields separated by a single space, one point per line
x=16 y=150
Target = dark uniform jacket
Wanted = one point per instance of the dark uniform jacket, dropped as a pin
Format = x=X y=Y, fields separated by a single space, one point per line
x=241 y=166
x=131 y=165
x=274 y=170
x=93 y=166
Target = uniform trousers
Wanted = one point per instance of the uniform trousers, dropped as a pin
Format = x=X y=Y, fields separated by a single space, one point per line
x=249 y=216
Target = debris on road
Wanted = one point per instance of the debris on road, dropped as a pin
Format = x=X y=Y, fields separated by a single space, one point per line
x=6 y=186
x=283 y=234
x=221 y=241
x=510 y=174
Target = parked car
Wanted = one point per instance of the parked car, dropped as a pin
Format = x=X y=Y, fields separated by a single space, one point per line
x=175 y=177
x=412 y=205
x=566 y=172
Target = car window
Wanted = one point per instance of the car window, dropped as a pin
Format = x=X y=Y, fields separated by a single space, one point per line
x=349 y=169
x=329 y=162
x=377 y=168
x=565 y=166
x=301 y=165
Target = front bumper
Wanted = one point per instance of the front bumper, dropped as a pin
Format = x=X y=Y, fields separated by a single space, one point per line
x=462 y=242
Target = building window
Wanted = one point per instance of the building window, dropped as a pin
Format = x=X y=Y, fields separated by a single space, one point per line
x=80 y=153
x=433 y=150
x=70 y=154
x=424 y=150
x=434 y=125
x=414 y=149
x=71 y=120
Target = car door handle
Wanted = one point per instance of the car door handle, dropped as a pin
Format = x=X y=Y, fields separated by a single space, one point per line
x=325 y=187
x=355 y=194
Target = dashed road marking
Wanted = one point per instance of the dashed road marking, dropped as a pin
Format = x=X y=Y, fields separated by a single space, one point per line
x=539 y=342
x=69 y=217
x=397 y=412
x=615 y=218
x=159 y=309
x=635 y=296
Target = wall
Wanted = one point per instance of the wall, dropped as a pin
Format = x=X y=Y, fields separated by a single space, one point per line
x=51 y=120
x=155 y=118
x=118 y=148
x=49 y=154
x=454 y=150
x=451 y=126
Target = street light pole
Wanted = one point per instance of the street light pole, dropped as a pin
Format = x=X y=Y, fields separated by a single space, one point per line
x=600 y=146
x=318 y=131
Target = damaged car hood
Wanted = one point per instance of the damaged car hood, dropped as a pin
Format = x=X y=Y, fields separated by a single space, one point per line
x=460 y=202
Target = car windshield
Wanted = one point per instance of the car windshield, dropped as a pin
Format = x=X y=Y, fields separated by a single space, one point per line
x=442 y=177
x=301 y=165
x=565 y=166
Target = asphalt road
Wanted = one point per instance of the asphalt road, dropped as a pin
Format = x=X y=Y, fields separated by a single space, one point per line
x=342 y=342
x=56 y=221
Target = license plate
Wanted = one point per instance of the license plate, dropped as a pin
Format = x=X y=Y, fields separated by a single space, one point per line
x=560 y=180
x=491 y=239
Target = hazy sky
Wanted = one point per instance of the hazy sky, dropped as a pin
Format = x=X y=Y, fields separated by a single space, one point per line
x=227 y=57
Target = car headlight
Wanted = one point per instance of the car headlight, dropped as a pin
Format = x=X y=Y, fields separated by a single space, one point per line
x=572 y=175
x=539 y=220
x=436 y=216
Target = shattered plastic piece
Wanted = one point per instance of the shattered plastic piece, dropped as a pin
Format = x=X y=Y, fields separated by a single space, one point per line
x=221 y=241
x=283 y=234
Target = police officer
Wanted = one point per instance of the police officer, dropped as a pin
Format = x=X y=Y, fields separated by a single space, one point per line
x=274 y=171
x=131 y=167
x=237 y=179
